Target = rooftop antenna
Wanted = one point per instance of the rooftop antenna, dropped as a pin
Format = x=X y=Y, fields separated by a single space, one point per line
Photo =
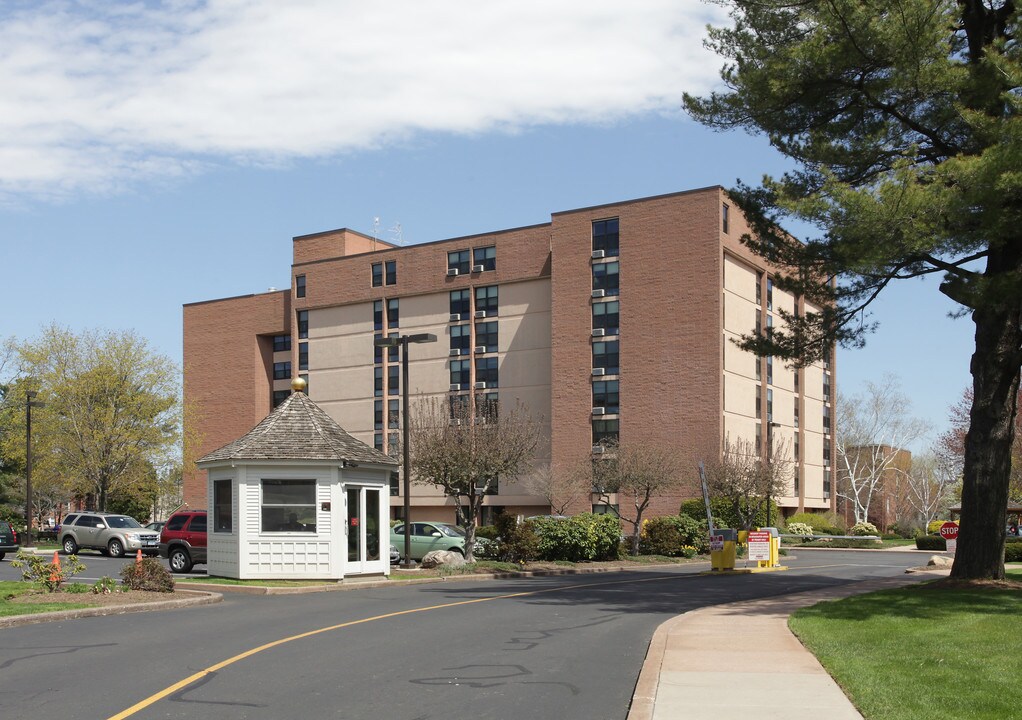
x=396 y=232
x=376 y=230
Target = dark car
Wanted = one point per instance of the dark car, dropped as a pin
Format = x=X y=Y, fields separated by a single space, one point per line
x=9 y=541
x=183 y=540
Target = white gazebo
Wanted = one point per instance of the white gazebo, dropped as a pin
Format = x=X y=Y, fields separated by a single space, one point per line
x=297 y=497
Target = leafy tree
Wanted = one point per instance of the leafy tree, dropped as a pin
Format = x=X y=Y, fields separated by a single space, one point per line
x=742 y=481
x=558 y=485
x=903 y=118
x=637 y=473
x=872 y=431
x=930 y=486
x=466 y=448
x=111 y=412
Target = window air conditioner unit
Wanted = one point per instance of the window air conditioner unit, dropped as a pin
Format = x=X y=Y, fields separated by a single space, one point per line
x=598 y=449
x=480 y=313
x=480 y=348
x=477 y=268
x=455 y=386
x=599 y=293
x=599 y=411
x=599 y=371
x=597 y=254
x=455 y=351
x=451 y=272
x=455 y=317
x=599 y=332
x=480 y=385
x=455 y=421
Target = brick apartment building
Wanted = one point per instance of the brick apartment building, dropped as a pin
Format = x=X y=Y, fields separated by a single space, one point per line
x=607 y=321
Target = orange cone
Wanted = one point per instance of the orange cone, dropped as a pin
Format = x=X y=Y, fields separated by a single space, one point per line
x=55 y=572
x=138 y=557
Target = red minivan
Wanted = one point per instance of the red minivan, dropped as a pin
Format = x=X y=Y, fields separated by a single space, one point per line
x=183 y=540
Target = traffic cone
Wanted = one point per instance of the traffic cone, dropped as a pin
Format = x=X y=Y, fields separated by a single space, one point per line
x=55 y=572
x=138 y=557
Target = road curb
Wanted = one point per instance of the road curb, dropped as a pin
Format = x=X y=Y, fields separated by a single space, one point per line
x=198 y=597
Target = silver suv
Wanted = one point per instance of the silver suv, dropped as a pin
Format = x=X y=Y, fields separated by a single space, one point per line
x=109 y=533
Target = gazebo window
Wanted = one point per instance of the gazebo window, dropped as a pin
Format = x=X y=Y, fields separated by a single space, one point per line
x=222 y=518
x=289 y=506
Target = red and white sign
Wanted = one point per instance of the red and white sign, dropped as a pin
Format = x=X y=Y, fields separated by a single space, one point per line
x=716 y=543
x=949 y=530
x=759 y=545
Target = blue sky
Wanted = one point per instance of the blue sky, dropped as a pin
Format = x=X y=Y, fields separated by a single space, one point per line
x=159 y=153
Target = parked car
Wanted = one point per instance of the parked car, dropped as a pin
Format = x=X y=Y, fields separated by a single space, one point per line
x=156 y=525
x=395 y=556
x=9 y=541
x=183 y=540
x=110 y=533
x=427 y=536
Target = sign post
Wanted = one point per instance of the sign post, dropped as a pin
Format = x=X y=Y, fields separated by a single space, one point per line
x=949 y=531
x=759 y=546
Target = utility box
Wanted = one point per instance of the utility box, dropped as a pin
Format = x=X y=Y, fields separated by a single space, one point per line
x=774 y=558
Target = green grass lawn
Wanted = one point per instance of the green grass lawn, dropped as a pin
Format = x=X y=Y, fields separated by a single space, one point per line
x=919 y=653
x=12 y=588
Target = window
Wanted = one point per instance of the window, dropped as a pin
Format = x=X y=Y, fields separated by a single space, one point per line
x=308 y=385
x=281 y=343
x=770 y=294
x=486 y=299
x=759 y=439
x=461 y=337
x=395 y=483
x=759 y=288
x=459 y=407
x=377 y=414
x=795 y=481
x=458 y=260
x=486 y=371
x=392 y=351
x=378 y=441
x=280 y=396
x=303 y=324
x=393 y=444
x=299 y=286
x=759 y=405
x=759 y=324
x=289 y=506
x=487 y=406
x=393 y=315
x=460 y=370
x=826 y=454
x=605 y=430
x=223 y=520
x=826 y=420
x=485 y=256
x=725 y=218
x=797 y=373
x=377 y=315
x=393 y=413
x=377 y=350
x=770 y=406
x=605 y=237
x=486 y=336
x=606 y=509
x=605 y=395
x=605 y=355
x=303 y=356
x=605 y=316
x=759 y=368
x=770 y=369
x=282 y=370
x=393 y=379
x=826 y=388
x=796 y=414
x=378 y=381
x=460 y=301
x=392 y=272
x=605 y=277
x=377 y=274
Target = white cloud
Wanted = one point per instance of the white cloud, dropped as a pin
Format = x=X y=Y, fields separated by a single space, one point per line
x=94 y=94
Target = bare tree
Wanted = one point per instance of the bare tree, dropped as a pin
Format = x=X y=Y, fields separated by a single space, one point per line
x=872 y=430
x=463 y=448
x=637 y=472
x=560 y=487
x=931 y=485
x=745 y=480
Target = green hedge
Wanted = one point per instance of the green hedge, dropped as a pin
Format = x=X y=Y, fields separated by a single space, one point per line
x=580 y=538
x=821 y=523
x=1013 y=552
x=723 y=514
x=930 y=542
x=670 y=534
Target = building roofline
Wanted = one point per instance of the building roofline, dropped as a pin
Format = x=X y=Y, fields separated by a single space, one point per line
x=310 y=236
x=640 y=199
x=283 y=291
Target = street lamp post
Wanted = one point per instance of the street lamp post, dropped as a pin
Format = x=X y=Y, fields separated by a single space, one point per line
x=403 y=342
x=770 y=450
x=30 y=402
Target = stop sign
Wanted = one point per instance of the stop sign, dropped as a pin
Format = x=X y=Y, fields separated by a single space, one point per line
x=949 y=530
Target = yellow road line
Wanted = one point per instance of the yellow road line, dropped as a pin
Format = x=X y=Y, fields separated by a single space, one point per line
x=248 y=653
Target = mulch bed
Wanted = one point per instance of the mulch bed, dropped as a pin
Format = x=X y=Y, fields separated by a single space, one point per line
x=119 y=598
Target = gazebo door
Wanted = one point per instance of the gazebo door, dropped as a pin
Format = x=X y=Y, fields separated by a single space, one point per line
x=368 y=548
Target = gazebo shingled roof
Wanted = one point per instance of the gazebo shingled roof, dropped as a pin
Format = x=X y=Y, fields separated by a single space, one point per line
x=298 y=429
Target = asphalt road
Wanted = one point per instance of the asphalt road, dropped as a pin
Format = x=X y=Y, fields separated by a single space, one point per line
x=559 y=648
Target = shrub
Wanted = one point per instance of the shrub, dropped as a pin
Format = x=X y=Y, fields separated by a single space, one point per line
x=933 y=527
x=1013 y=552
x=930 y=542
x=50 y=575
x=147 y=575
x=105 y=586
x=822 y=524
x=906 y=530
x=581 y=538
x=798 y=528
x=512 y=541
x=76 y=588
x=723 y=513
x=487 y=531
x=667 y=535
x=864 y=528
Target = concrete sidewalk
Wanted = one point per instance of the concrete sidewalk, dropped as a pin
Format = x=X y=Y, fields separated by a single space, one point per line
x=740 y=661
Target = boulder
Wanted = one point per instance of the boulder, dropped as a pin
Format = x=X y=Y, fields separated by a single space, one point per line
x=940 y=561
x=436 y=558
